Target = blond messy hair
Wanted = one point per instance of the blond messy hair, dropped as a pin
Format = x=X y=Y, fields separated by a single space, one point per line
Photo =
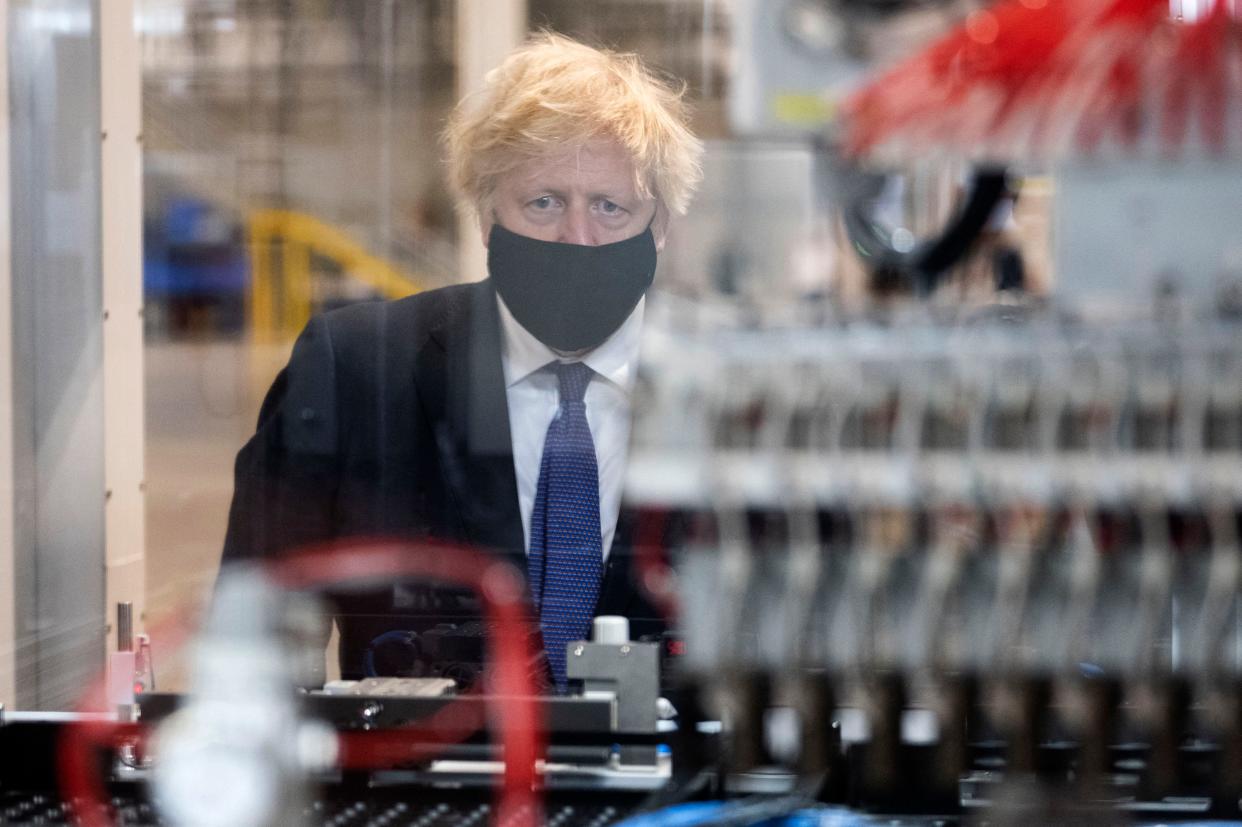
x=552 y=93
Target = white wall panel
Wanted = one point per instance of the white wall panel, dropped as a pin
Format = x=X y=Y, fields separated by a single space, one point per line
x=121 y=246
x=487 y=30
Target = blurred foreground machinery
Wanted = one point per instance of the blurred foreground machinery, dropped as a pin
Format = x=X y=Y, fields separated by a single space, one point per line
x=930 y=574
x=951 y=570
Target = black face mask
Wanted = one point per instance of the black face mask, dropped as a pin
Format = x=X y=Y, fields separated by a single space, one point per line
x=570 y=296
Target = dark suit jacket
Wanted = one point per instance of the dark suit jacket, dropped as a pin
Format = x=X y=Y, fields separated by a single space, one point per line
x=391 y=420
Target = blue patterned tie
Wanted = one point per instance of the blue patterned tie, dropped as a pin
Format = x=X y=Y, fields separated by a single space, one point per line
x=566 y=549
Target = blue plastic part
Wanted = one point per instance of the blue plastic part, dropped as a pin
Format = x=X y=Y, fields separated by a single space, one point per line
x=824 y=817
x=709 y=812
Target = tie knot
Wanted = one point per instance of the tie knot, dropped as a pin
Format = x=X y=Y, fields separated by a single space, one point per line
x=573 y=378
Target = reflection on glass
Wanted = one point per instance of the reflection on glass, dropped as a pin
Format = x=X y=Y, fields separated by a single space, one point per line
x=291 y=167
x=57 y=304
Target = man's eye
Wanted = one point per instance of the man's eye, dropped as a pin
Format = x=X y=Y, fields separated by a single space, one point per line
x=544 y=202
x=609 y=208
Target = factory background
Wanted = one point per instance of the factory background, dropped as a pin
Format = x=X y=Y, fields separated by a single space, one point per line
x=901 y=324
x=186 y=190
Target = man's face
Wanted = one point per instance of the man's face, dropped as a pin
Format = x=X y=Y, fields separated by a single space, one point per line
x=583 y=196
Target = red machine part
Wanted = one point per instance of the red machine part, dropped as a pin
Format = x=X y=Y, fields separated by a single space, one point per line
x=1056 y=78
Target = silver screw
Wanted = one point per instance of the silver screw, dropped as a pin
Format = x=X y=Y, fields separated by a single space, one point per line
x=578 y=650
x=625 y=650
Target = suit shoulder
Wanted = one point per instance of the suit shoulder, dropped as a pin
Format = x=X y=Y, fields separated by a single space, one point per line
x=407 y=321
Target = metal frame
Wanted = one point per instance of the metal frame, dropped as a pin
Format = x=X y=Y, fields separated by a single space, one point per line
x=120 y=91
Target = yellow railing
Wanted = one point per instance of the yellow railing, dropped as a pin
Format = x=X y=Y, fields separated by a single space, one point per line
x=281 y=288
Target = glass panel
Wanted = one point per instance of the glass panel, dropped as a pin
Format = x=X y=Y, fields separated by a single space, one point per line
x=291 y=167
x=875 y=456
x=57 y=355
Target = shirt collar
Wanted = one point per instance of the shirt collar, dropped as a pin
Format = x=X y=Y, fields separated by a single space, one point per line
x=616 y=359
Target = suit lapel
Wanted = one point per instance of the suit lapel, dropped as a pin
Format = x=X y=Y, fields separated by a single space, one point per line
x=466 y=404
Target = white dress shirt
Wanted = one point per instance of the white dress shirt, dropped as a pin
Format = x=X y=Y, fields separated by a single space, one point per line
x=534 y=398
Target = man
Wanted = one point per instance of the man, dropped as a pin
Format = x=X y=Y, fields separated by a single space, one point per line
x=493 y=413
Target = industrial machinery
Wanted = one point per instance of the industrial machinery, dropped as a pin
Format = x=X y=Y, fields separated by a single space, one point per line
x=984 y=569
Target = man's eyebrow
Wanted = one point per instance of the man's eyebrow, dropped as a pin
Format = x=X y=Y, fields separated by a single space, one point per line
x=618 y=198
x=538 y=190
